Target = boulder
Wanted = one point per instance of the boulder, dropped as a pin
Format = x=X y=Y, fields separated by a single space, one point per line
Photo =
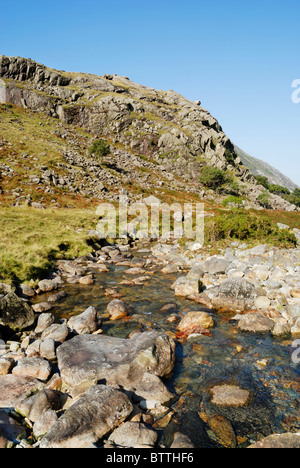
x=99 y=411
x=194 y=323
x=42 y=307
x=133 y=435
x=117 y=309
x=57 y=332
x=33 y=367
x=236 y=294
x=44 y=423
x=84 y=323
x=215 y=266
x=49 y=285
x=34 y=406
x=185 y=286
x=13 y=387
x=5 y=366
x=118 y=361
x=44 y=321
x=15 y=313
x=256 y=323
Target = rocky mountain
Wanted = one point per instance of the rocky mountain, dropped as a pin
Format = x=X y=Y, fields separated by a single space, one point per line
x=159 y=141
x=259 y=167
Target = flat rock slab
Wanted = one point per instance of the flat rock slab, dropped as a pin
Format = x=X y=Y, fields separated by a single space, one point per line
x=13 y=387
x=93 y=416
x=115 y=360
x=229 y=395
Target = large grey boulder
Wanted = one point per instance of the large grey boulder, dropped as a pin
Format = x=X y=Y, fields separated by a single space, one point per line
x=115 y=360
x=236 y=294
x=100 y=410
x=15 y=313
x=215 y=266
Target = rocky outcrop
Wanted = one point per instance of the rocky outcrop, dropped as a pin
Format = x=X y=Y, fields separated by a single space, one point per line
x=159 y=131
x=21 y=69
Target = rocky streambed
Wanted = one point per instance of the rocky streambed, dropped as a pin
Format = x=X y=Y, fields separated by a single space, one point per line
x=154 y=346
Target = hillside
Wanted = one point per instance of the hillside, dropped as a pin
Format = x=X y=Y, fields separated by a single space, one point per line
x=259 y=167
x=159 y=142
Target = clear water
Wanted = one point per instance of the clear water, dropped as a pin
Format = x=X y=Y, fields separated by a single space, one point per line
x=228 y=356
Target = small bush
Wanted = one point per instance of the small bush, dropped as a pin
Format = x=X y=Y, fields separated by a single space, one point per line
x=233 y=200
x=99 y=148
x=212 y=177
x=264 y=199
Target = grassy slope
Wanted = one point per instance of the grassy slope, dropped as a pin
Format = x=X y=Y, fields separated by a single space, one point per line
x=31 y=240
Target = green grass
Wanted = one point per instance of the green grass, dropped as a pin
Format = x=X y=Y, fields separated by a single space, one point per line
x=32 y=240
x=247 y=227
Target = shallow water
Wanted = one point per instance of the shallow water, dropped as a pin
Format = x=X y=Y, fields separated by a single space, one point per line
x=229 y=356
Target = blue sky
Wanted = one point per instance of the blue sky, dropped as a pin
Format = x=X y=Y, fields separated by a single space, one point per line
x=238 y=57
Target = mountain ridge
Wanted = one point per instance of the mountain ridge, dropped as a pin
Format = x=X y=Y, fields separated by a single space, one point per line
x=160 y=133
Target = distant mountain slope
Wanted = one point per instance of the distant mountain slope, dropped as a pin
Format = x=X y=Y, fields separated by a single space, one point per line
x=258 y=167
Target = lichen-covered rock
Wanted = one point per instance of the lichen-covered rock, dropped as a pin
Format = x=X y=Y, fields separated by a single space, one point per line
x=15 y=313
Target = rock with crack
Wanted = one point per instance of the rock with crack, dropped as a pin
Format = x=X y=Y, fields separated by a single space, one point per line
x=99 y=411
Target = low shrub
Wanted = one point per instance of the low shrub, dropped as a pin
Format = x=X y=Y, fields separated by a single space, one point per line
x=244 y=226
x=99 y=148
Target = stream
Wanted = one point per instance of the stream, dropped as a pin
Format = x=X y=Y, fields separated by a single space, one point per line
x=260 y=364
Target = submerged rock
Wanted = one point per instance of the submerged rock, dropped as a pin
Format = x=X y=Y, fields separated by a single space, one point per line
x=278 y=441
x=229 y=395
